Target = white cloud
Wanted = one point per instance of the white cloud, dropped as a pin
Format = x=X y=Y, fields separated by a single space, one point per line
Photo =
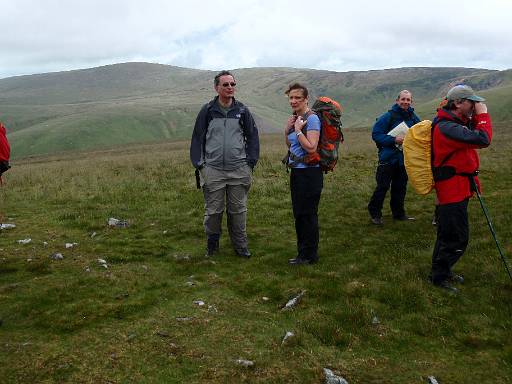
x=52 y=35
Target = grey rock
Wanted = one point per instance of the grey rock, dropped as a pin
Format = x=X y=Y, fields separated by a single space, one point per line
x=57 y=256
x=287 y=337
x=199 y=303
x=245 y=363
x=294 y=301
x=24 y=241
x=181 y=257
x=331 y=378
x=375 y=320
x=131 y=336
x=212 y=309
x=7 y=226
x=184 y=319
x=432 y=380
x=70 y=245
x=113 y=222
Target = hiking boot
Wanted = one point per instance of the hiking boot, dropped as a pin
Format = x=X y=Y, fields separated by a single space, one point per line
x=404 y=218
x=243 y=252
x=212 y=247
x=377 y=220
x=446 y=286
x=456 y=279
x=301 y=261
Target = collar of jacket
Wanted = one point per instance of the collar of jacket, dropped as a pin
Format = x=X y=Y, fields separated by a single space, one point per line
x=214 y=105
x=399 y=110
x=445 y=114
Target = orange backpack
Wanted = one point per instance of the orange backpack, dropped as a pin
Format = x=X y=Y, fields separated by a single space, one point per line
x=329 y=112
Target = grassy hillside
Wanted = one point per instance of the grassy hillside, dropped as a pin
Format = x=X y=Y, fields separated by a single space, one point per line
x=140 y=102
x=368 y=312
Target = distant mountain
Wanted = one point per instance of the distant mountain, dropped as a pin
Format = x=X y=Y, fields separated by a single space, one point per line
x=142 y=102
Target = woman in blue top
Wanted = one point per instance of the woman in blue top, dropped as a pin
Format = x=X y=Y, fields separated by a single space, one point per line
x=302 y=133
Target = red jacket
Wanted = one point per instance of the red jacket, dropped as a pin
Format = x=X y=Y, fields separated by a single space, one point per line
x=454 y=144
x=5 y=149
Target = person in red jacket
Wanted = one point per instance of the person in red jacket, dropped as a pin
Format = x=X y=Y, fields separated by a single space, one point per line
x=5 y=152
x=460 y=127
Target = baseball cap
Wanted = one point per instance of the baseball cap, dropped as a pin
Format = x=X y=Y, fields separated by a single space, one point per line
x=463 y=92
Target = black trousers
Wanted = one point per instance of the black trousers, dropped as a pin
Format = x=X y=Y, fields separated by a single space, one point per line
x=306 y=187
x=452 y=239
x=387 y=175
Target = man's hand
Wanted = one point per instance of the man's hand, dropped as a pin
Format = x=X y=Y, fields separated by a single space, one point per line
x=480 y=108
x=399 y=140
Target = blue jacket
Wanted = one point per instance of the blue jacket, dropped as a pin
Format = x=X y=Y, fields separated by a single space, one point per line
x=388 y=151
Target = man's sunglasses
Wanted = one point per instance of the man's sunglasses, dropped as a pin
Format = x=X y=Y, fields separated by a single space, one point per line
x=225 y=85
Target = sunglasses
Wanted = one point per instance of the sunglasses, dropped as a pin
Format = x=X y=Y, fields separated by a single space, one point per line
x=225 y=85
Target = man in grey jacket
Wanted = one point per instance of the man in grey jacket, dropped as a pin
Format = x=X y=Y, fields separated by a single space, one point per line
x=225 y=149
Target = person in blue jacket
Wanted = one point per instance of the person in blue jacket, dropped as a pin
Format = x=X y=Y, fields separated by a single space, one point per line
x=391 y=170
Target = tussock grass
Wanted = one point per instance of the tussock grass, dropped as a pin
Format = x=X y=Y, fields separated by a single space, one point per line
x=368 y=312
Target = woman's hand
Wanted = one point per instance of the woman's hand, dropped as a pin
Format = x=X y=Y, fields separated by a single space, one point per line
x=289 y=123
x=299 y=124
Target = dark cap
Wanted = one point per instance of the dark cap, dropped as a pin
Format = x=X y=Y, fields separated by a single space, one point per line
x=463 y=92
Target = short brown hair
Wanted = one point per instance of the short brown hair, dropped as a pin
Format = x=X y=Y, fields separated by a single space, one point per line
x=298 y=86
x=216 y=81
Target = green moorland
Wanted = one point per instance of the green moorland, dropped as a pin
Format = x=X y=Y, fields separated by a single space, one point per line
x=368 y=312
x=102 y=107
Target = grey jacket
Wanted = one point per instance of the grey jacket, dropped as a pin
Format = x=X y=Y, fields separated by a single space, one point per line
x=222 y=141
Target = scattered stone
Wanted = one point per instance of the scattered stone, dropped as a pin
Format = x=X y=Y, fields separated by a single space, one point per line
x=144 y=267
x=265 y=298
x=375 y=320
x=331 y=378
x=165 y=232
x=131 y=336
x=113 y=222
x=87 y=269
x=29 y=260
x=45 y=243
x=432 y=380
x=181 y=257
x=163 y=333
x=24 y=241
x=103 y=263
x=184 y=319
x=93 y=234
x=7 y=226
x=212 y=308
x=199 y=303
x=57 y=256
x=71 y=245
x=287 y=337
x=245 y=363
x=293 y=302
x=190 y=283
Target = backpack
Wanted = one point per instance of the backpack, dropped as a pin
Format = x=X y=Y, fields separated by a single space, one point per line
x=5 y=150
x=417 y=149
x=329 y=112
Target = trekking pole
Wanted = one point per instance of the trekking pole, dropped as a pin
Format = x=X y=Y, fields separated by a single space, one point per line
x=474 y=187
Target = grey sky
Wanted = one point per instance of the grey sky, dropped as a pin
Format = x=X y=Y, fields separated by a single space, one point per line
x=50 y=35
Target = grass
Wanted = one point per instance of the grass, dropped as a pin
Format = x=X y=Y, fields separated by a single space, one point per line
x=73 y=321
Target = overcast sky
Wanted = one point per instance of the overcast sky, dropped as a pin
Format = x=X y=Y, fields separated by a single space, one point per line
x=40 y=36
